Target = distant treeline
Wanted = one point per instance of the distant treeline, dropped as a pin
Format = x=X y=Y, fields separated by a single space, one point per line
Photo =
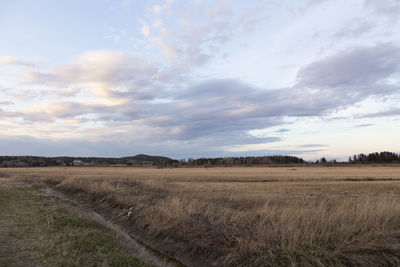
x=144 y=160
x=158 y=161
x=241 y=161
x=377 y=157
x=35 y=161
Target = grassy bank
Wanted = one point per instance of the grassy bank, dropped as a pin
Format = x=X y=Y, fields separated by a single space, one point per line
x=39 y=230
x=252 y=216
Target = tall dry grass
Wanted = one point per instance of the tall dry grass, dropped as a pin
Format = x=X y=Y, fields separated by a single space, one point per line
x=254 y=216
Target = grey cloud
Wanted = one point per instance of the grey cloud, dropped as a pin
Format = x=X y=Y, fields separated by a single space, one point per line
x=313 y=145
x=212 y=117
x=389 y=8
x=218 y=106
x=9 y=114
x=364 y=125
x=22 y=94
x=60 y=111
x=231 y=138
x=311 y=3
x=355 y=29
x=4 y=103
x=204 y=42
x=359 y=66
x=65 y=110
x=283 y=130
x=388 y=113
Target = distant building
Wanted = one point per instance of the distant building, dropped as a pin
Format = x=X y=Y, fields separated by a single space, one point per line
x=77 y=162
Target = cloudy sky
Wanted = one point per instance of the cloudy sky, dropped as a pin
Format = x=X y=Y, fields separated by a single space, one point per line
x=199 y=78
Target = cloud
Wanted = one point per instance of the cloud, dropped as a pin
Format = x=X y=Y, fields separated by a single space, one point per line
x=6 y=61
x=157 y=9
x=213 y=112
x=4 y=103
x=145 y=30
x=229 y=105
x=192 y=45
x=61 y=110
x=282 y=130
x=313 y=145
x=364 y=125
x=246 y=150
x=354 y=29
x=389 y=8
x=158 y=23
x=388 y=113
x=313 y=3
x=366 y=65
x=221 y=9
x=107 y=73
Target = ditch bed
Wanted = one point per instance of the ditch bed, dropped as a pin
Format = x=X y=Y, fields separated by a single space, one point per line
x=163 y=252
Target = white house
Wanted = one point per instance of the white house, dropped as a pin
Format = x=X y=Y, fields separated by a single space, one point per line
x=77 y=162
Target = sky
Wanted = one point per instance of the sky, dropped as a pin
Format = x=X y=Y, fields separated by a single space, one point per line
x=199 y=78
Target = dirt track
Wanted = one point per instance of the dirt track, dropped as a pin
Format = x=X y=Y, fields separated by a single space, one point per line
x=17 y=247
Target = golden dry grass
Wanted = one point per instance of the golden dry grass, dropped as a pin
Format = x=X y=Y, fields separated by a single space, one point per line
x=254 y=216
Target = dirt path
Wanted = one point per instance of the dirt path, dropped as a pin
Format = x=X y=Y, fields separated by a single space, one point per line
x=38 y=228
x=127 y=238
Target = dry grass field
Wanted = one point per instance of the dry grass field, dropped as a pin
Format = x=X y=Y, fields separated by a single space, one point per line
x=301 y=216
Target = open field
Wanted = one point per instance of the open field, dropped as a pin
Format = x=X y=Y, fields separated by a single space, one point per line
x=247 y=216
